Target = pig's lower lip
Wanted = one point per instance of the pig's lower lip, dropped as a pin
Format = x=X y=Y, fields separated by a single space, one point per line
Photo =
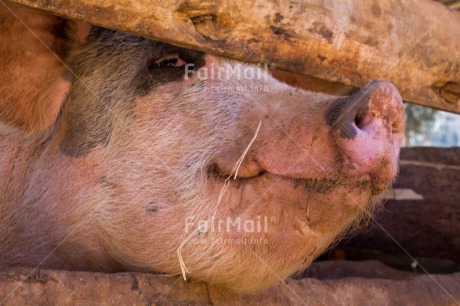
x=316 y=185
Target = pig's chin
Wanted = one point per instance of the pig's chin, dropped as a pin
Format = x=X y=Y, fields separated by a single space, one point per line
x=279 y=224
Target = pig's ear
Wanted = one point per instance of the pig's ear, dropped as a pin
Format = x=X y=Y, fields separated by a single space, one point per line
x=34 y=79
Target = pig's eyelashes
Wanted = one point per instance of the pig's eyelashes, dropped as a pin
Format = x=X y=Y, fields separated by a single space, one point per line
x=170 y=60
x=165 y=64
x=160 y=70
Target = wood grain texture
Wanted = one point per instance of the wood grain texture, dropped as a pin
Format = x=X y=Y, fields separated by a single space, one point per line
x=48 y=287
x=413 y=43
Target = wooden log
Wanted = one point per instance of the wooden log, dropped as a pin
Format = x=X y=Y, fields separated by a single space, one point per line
x=424 y=216
x=48 y=287
x=414 y=44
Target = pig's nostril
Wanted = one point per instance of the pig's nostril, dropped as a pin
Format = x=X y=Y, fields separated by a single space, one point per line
x=363 y=118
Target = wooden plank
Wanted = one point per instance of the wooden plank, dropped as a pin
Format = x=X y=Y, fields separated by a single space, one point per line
x=425 y=222
x=23 y=286
x=415 y=44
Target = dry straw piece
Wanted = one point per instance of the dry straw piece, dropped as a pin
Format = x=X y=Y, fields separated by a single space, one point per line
x=235 y=169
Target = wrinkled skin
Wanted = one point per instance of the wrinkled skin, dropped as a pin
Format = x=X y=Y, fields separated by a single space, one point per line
x=136 y=159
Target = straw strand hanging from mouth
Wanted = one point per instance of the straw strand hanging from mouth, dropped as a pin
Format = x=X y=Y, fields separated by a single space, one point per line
x=235 y=169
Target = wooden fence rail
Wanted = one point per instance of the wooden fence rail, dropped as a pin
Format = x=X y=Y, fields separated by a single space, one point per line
x=415 y=44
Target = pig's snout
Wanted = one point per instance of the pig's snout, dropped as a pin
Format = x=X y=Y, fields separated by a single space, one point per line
x=368 y=127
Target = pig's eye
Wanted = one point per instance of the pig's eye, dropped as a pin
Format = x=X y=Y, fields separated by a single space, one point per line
x=170 y=60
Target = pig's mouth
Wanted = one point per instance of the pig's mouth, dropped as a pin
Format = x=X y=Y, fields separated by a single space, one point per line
x=313 y=204
x=322 y=185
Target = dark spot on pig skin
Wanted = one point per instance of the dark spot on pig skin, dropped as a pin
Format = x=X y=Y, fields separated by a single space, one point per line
x=112 y=69
x=83 y=136
x=151 y=75
x=152 y=207
x=85 y=130
x=343 y=111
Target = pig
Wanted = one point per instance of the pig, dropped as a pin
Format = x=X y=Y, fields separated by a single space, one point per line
x=120 y=153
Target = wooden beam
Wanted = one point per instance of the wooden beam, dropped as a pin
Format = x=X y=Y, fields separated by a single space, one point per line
x=414 y=44
x=27 y=286
x=424 y=216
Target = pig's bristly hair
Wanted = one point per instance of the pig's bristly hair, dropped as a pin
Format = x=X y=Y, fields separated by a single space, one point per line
x=233 y=173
